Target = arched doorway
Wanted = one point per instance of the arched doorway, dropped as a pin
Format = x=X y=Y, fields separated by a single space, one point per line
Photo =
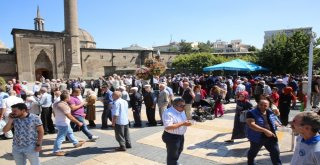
x=43 y=66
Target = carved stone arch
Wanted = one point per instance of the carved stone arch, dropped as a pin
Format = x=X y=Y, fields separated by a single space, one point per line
x=43 y=66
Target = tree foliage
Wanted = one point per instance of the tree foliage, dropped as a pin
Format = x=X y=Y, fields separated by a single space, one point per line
x=286 y=54
x=2 y=83
x=195 y=62
x=205 y=47
x=185 y=47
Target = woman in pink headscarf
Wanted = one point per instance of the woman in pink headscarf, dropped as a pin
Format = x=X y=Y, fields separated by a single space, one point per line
x=243 y=105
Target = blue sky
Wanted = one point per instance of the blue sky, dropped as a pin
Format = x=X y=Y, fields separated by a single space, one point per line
x=120 y=23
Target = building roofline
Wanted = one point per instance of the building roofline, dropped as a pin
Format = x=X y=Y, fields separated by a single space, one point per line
x=15 y=31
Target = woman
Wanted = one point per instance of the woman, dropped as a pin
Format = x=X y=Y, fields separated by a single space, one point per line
x=275 y=110
x=285 y=103
x=243 y=104
x=91 y=108
x=199 y=95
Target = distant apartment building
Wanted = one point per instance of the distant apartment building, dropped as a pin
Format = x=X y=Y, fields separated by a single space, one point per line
x=220 y=46
x=173 y=47
x=288 y=32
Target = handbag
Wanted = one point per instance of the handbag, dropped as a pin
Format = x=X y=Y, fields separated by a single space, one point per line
x=243 y=116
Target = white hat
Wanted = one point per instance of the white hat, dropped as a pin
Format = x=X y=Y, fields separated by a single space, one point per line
x=122 y=87
x=147 y=86
x=134 y=88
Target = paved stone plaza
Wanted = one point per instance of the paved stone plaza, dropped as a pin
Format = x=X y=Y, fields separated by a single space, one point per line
x=204 y=144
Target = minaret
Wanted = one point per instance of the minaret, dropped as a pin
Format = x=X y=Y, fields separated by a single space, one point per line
x=38 y=21
x=72 y=45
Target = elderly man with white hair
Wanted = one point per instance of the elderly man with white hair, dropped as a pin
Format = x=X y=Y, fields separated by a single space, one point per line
x=46 y=113
x=136 y=102
x=163 y=100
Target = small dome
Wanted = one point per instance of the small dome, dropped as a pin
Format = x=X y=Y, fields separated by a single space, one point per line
x=86 y=39
x=2 y=46
x=85 y=36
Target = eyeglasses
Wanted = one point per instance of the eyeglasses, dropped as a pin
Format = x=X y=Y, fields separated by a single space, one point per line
x=181 y=106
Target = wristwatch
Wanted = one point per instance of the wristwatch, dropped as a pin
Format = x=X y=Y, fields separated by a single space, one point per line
x=38 y=145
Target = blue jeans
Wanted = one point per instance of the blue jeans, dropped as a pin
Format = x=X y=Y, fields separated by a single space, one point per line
x=63 y=131
x=84 y=127
x=21 y=154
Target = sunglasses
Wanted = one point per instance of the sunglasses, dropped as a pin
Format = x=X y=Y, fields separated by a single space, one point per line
x=182 y=105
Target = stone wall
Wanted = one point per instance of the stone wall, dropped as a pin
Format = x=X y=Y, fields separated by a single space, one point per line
x=8 y=66
x=103 y=62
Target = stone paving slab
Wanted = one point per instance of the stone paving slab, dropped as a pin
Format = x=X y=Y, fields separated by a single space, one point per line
x=204 y=144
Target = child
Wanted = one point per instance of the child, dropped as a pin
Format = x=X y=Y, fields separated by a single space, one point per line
x=217 y=97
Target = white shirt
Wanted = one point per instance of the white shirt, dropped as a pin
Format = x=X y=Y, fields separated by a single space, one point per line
x=306 y=154
x=60 y=110
x=8 y=102
x=36 y=88
x=172 y=116
x=240 y=88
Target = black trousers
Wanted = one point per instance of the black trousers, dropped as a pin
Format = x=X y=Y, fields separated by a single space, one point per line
x=174 y=145
x=284 y=115
x=151 y=116
x=270 y=144
x=122 y=135
x=46 y=119
x=137 y=117
x=106 y=114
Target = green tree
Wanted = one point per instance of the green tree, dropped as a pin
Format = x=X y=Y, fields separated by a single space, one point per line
x=195 y=62
x=185 y=47
x=252 y=48
x=2 y=83
x=205 y=47
x=284 y=54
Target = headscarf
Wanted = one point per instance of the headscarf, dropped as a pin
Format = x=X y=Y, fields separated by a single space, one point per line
x=287 y=90
x=245 y=94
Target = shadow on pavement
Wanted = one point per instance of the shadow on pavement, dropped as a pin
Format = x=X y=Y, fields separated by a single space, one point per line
x=7 y=156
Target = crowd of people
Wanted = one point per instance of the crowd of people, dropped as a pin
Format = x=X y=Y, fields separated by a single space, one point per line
x=73 y=102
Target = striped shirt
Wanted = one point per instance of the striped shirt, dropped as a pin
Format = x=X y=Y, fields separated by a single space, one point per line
x=172 y=116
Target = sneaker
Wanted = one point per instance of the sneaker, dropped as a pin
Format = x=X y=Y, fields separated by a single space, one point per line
x=60 y=153
x=79 y=144
x=94 y=138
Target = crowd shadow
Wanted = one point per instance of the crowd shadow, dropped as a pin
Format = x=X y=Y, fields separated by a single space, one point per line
x=91 y=151
x=7 y=156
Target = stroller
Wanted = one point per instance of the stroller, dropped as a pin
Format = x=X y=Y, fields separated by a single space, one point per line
x=204 y=110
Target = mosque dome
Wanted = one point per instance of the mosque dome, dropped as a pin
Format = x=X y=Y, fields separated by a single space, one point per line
x=2 y=46
x=86 y=39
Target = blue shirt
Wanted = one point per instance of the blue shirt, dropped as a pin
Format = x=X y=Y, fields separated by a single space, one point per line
x=25 y=130
x=3 y=95
x=108 y=97
x=46 y=100
x=307 y=152
x=120 y=109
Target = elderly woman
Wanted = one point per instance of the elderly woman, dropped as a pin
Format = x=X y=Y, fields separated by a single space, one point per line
x=91 y=108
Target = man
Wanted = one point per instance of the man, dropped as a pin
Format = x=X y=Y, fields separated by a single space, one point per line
x=266 y=89
x=315 y=91
x=150 y=103
x=120 y=121
x=6 y=107
x=248 y=87
x=188 y=96
x=136 y=102
x=175 y=126
x=107 y=105
x=240 y=87
x=163 y=100
x=3 y=95
x=261 y=132
x=63 y=117
x=36 y=87
x=307 y=151
x=77 y=111
x=46 y=113
x=17 y=87
x=28 y=135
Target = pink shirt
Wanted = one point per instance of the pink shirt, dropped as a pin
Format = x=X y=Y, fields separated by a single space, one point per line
x=76 y=101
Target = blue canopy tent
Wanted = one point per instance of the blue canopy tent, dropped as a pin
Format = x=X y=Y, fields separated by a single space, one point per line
x=236 y=65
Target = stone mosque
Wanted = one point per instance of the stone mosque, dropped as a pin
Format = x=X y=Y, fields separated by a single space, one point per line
x=71 y=53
